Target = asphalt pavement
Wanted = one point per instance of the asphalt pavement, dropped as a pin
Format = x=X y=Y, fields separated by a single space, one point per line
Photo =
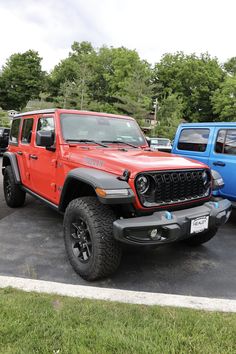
x=31 y=246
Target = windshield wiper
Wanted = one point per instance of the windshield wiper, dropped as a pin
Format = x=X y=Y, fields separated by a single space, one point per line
x=119 y=142
x=85 y=141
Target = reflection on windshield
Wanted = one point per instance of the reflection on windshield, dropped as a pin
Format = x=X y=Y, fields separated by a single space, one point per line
x=101 y=128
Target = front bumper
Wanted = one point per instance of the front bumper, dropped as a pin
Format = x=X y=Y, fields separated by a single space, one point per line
x=171 y=226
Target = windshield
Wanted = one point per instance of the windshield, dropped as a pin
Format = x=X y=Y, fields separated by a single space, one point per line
x=163 y=142
x=100 y=128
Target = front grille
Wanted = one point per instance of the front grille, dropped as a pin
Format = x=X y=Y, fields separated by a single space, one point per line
x=173 y=187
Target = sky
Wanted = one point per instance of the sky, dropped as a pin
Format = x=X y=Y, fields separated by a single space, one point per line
x=152 y=27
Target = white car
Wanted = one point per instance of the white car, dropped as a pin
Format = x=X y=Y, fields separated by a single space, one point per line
x=160 y=144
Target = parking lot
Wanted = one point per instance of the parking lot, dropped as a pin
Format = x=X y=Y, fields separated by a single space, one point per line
x=32 y=246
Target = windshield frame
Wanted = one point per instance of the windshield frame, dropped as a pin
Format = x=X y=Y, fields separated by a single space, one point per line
x=139 y=133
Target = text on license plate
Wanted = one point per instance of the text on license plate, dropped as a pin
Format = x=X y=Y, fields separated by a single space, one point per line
x=199 y=224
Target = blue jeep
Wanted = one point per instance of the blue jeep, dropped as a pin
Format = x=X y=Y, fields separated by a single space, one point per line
x=213 y=144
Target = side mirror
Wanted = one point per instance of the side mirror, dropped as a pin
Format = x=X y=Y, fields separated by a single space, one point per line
x=148 y=141
x=45 y=138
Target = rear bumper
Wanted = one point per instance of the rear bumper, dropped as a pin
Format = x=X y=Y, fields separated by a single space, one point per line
x=171 y=226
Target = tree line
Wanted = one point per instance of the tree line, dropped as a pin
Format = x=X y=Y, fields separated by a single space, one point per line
x=115 y=80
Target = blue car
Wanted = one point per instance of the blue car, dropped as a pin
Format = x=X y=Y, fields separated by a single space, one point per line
x=213 y=144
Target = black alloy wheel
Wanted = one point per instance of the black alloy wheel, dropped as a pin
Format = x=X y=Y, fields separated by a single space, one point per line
x=81 y=241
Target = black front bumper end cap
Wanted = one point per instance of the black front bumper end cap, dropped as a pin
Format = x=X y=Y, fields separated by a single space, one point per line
x=172 y=226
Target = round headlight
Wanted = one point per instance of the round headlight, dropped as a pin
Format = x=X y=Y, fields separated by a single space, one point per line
x=142 y=184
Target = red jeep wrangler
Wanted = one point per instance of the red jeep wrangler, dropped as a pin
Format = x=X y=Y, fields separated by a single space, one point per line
x=99 y=171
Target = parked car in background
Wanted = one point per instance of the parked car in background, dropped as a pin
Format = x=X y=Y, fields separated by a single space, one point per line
x=160 y=144
x=213 y=144
x=4 y=136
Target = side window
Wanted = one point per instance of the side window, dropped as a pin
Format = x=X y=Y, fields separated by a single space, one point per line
x=230 y=142
x=15 y=128
x=194 y=139
x=226 y=142
x=27 y=131
x=46 y=124
x=219 y=146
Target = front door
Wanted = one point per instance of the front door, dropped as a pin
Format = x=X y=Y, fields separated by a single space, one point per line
x=43 y=163
x=223 y=160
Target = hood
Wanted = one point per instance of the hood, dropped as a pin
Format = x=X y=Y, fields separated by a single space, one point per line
x=115 y=160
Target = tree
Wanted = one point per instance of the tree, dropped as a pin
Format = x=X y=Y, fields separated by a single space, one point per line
x=4 y=120
x=21 y=80
x=224 y=100
x=67 y=94
x=74 y=75
x=230 y=66
x=115 y=69
x=136 y=99
x=109 y=79
x=169 y=116
x=192 y=78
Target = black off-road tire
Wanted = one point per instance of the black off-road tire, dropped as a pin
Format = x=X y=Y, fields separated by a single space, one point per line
x=106 y=251
x=201 y=238
x=14 y=196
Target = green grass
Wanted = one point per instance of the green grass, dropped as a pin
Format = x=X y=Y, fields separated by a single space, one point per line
x=38 y=323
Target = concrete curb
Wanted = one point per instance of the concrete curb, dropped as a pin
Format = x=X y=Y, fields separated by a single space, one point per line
x=125 y=296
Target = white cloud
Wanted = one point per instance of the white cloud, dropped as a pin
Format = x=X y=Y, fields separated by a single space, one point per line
x=152 y=27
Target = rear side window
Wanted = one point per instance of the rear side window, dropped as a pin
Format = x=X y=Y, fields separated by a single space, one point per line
x=194 y=139
x=27 y=131
x=226 y=142
x=15 y=128
x=220 y=141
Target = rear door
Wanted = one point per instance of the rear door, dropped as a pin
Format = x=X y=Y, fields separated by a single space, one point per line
x=223 y=159
x=194 y=143
x=24 y=150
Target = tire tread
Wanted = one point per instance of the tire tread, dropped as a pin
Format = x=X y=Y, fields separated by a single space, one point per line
x=108 y=250
x=17 y=195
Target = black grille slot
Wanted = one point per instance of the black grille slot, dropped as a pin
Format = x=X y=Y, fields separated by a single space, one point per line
x=174 y=187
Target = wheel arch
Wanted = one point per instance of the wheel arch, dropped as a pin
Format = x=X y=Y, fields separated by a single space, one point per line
x=72 y=189
x=82 y=182
x=9 y=159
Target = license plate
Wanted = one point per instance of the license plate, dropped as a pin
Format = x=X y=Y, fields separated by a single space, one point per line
x=199 y=224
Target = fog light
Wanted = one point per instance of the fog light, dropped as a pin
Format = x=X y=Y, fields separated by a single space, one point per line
x=155 y=235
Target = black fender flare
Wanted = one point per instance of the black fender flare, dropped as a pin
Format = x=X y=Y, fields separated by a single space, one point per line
x=9 y=158
x=97 y=179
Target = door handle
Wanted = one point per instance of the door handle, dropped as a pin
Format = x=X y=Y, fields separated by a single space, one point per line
x=19 y=153
x=219 y=163
x=34 y=157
